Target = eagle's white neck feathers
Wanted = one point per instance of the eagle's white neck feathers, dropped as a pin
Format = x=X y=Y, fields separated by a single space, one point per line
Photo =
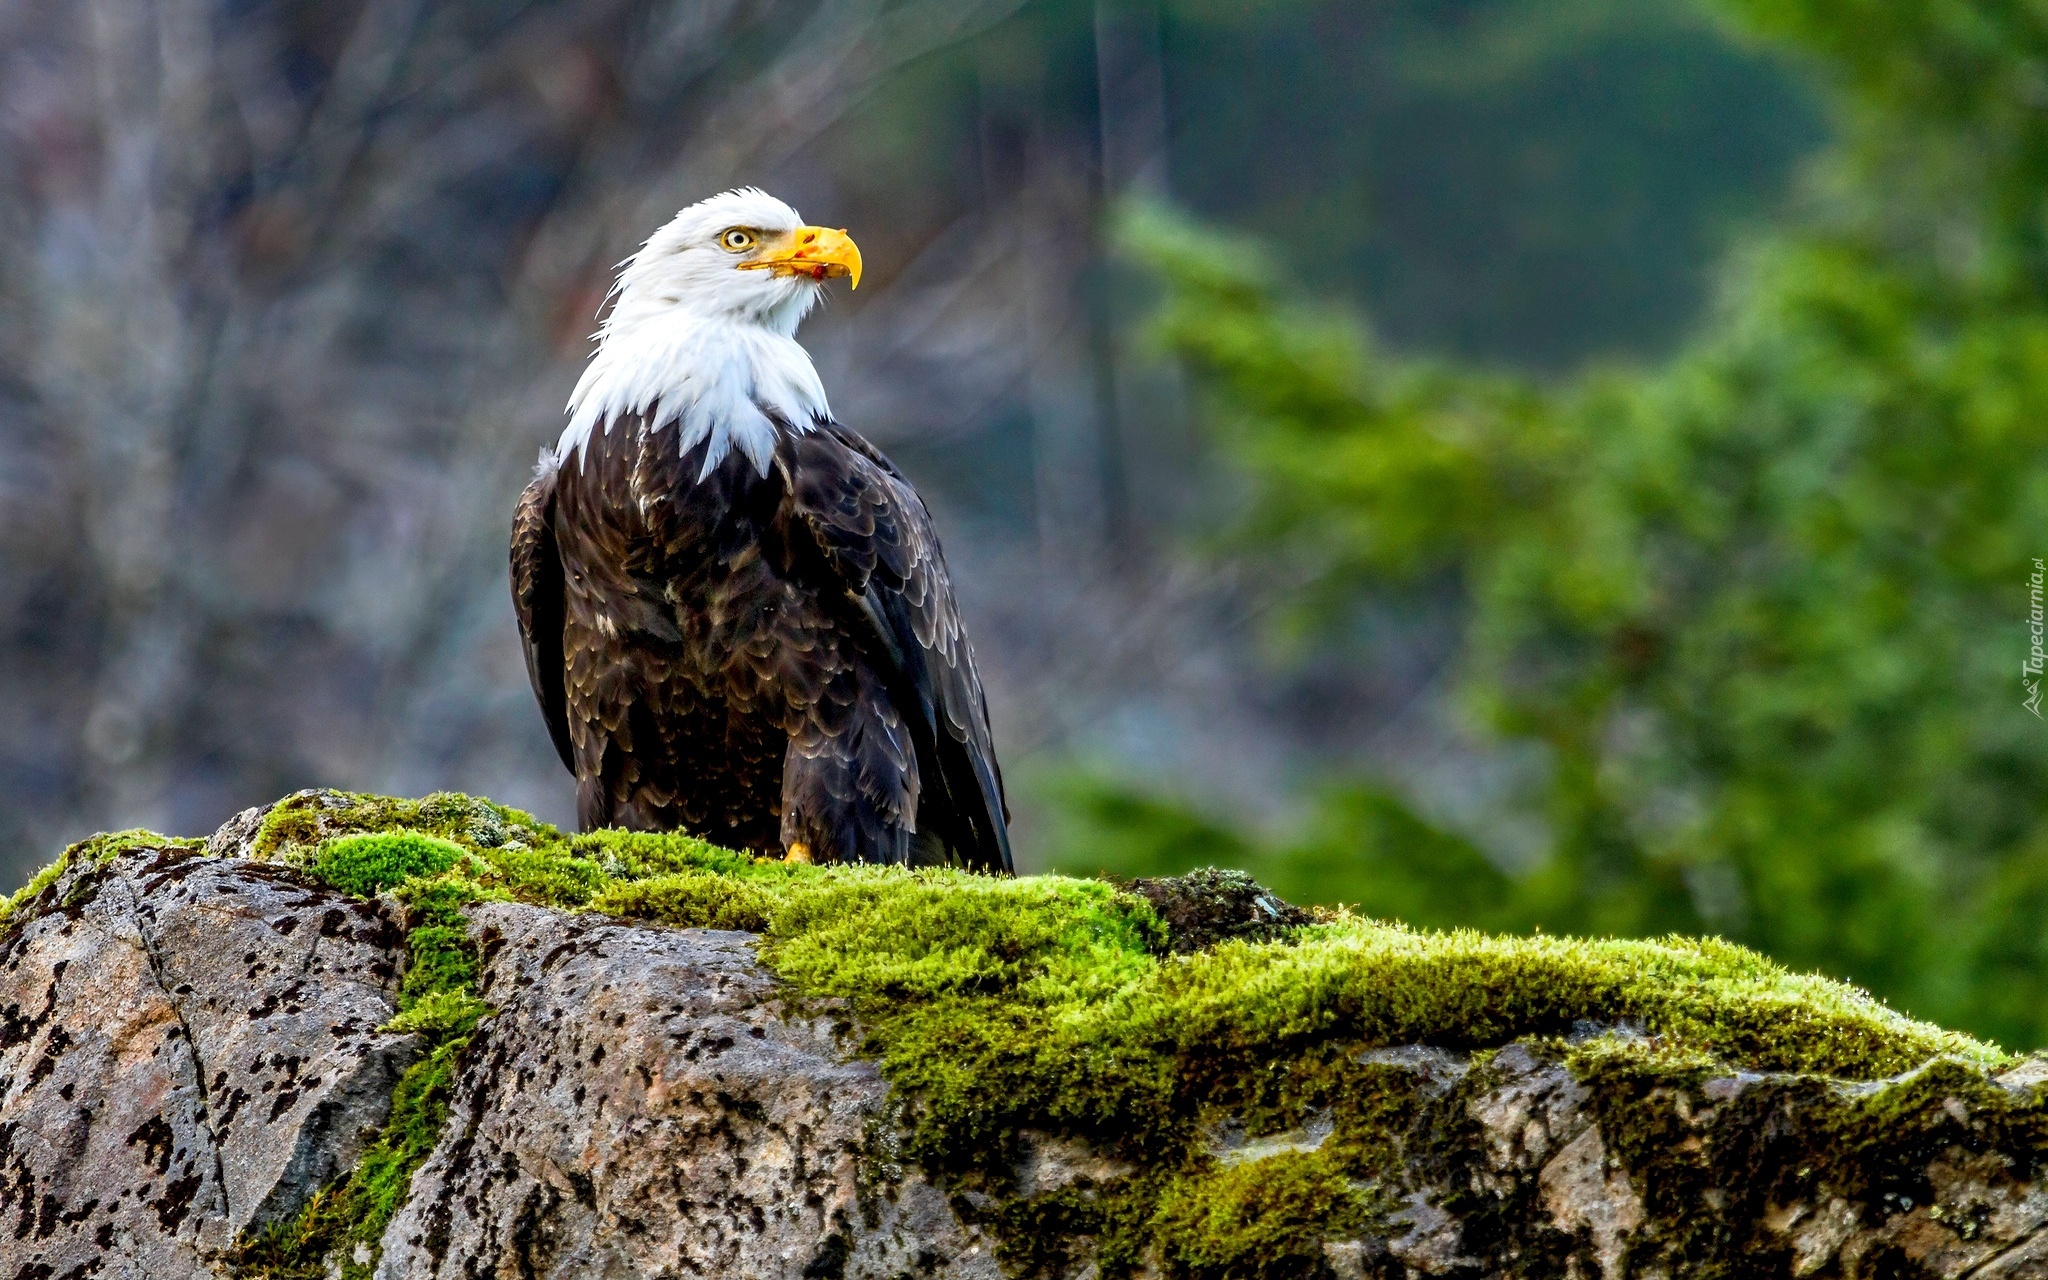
x=694 y=342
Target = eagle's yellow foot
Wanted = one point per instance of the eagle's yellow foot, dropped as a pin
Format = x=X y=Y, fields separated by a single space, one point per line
x=798 y=852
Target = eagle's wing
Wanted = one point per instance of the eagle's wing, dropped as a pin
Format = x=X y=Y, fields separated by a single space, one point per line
x=537 y=596
x=877 y=539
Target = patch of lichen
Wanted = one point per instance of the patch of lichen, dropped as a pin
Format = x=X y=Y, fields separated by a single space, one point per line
x=997 y=1006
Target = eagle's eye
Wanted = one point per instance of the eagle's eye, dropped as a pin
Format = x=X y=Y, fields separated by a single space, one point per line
x=737 y=239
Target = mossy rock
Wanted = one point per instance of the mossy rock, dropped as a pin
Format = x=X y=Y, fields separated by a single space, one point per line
x=1265 y=1092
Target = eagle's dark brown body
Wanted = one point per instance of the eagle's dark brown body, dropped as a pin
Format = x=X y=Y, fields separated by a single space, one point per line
x=773 y=662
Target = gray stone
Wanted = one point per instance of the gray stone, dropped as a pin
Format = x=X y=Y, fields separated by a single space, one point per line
x=1354 y=1259
x=1532 y=1108
x=648 y=1103
x=1229 y=1144
x=2030 y=1073
x=236 y=837
x=1428 y=1239
x=187 y=1047
x=1046 y=1163
x=1438 y=1070
x=282 y=987
x=1583 y=1192
x=2027 y=1260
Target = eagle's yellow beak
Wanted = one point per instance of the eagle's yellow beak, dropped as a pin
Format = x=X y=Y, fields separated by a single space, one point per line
x=817 y=252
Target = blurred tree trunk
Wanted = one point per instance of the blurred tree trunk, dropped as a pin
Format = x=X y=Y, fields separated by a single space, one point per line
x=293 y=291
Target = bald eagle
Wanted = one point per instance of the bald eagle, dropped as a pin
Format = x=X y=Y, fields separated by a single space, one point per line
x=736 y=615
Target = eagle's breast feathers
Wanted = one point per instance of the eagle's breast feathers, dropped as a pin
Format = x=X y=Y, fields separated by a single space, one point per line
x=770 y=658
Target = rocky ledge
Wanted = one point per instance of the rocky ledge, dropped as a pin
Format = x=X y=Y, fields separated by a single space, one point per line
x=351 y=1036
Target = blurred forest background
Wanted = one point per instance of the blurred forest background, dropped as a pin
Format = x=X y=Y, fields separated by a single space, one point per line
x=1501 y=462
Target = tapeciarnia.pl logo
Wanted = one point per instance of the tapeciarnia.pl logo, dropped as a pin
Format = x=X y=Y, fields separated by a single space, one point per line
x=2030 y=670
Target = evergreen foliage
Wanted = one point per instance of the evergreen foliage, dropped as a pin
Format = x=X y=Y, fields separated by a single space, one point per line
x=1762 y=610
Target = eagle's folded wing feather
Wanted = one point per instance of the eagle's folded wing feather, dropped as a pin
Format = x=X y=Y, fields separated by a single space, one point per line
x=537 y=597
x=877 y=538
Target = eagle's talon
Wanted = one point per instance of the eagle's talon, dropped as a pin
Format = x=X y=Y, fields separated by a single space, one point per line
x=798 y=852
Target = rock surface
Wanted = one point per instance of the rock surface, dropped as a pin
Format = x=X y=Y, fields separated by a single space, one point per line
x=190 y=1047
x=647 y=1103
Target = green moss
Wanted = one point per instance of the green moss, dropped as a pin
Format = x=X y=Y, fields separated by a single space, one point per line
x=419 y=1107
x=439 y=1014
x=103 y=849
x=29 y=892
x=1264 y=1220
x=368 y=864
x=357 y=1210
x=92 y=854
x=295 y=827
x=434 y=879
x=691 y=898
x=1690 y=1134
x=437 y=937
x=1053 y=1004
x=1388 y=984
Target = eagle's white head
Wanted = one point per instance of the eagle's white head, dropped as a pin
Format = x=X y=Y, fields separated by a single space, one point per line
x=701 y=333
